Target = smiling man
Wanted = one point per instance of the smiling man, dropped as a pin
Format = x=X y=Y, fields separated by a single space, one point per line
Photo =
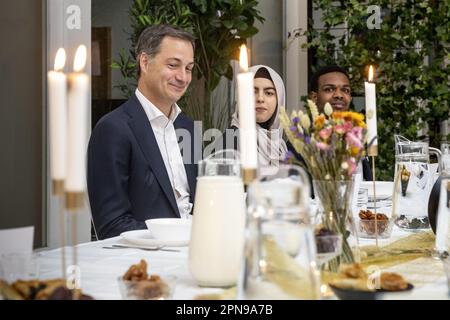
x=331 y=84
x=135 y=166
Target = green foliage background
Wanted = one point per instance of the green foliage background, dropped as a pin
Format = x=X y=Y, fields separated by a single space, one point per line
x=410 y=52
x=220 y=27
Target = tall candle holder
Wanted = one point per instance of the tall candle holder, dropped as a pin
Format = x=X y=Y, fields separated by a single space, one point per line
x=77 y=137
x=57 y=110
x=74 y=203
x=58 y=192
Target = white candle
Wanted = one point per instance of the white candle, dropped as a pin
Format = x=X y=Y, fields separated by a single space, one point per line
x=371 y=114
x=57 y=100
x=247 y=118
x=78 y=124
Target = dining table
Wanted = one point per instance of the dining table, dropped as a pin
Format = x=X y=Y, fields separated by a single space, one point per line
x=101 y=263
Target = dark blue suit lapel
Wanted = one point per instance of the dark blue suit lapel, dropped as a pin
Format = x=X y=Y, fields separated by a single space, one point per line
x=145 y=137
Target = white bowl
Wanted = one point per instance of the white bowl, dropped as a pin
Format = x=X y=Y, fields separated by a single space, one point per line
x=170 y=228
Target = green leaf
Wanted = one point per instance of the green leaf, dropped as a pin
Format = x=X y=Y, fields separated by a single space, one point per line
x=227 y=24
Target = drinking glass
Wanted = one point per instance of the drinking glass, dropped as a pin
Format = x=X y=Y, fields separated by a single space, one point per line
x=19 y=266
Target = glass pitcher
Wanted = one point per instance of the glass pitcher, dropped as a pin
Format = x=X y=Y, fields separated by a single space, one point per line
x=413 y=181
x=280 y=253
x=218 y=225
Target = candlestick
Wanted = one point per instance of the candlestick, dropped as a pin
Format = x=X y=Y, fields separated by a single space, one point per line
x=77 y=132
x=57 y=97
x=247 y=119
x=371 y=115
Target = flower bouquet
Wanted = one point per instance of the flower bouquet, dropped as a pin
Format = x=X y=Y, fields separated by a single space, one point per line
x=331 y=145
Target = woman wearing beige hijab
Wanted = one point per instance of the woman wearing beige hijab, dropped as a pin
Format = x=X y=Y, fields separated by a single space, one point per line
x=269 y=97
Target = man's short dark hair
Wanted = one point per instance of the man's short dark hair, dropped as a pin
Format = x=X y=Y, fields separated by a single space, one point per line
x=314 y=83
x=151 y=37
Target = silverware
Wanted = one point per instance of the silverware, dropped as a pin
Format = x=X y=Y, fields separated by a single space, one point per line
x=126 y=246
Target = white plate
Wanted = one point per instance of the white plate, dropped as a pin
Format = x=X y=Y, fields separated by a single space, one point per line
x=383 y=188
x=143 y=237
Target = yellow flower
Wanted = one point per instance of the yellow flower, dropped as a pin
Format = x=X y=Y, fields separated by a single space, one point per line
x=328 y=109
x=294 y=114
x=305 y=122
x=313 y=107
x=319 y=122
x=354 y=151
x=358 y=119
x=337 y=115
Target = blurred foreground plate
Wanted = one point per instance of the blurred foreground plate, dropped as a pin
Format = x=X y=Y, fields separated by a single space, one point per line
x=351 y=294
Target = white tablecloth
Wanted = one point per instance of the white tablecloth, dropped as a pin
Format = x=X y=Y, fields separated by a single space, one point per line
x=101 y=267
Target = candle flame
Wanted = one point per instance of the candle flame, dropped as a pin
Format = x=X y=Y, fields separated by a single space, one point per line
x=243 y=58
x=60 y=59
x=370 y=74
x=80 y=58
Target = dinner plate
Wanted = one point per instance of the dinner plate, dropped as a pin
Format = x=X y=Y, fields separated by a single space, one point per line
x=383 y=188
x=144 y=237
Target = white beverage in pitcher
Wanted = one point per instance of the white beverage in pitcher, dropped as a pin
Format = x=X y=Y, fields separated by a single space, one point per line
x=217 y=237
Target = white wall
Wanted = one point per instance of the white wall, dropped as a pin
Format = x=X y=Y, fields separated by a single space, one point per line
x=266 y=45
x=295 y=58
x=60 y=35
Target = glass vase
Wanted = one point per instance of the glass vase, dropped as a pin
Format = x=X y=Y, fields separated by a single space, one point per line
x=333 y=200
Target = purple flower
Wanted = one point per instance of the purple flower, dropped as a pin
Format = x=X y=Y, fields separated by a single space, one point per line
x=295 y=120
x=298 y=135
x=307 y=139
x=293 y=128
x=288 y=156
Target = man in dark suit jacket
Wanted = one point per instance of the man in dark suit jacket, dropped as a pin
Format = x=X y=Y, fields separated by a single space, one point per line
x=136 y=170
x=332 y=84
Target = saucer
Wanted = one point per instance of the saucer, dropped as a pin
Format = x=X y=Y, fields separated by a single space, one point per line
x=144 y=237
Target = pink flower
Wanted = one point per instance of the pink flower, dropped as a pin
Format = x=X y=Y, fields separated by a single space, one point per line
x=322 y=146
x=325 y=133
x=347 y=126
x=339 y=129
x=352 y=140
x=351 y=166
x=357 y=131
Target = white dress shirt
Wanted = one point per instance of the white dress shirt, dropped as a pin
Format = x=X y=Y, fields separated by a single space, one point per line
x=168 y=146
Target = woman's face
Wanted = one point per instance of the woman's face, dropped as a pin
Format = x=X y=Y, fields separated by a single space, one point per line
x=265 y=99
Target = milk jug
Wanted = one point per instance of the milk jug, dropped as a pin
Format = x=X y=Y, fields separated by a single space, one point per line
x=217 y=238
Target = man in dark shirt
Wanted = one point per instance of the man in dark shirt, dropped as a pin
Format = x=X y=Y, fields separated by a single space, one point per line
x=332 y=84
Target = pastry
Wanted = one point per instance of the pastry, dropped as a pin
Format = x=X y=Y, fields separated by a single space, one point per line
x=140 y=285
x=392 y=282
x=353 y=270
